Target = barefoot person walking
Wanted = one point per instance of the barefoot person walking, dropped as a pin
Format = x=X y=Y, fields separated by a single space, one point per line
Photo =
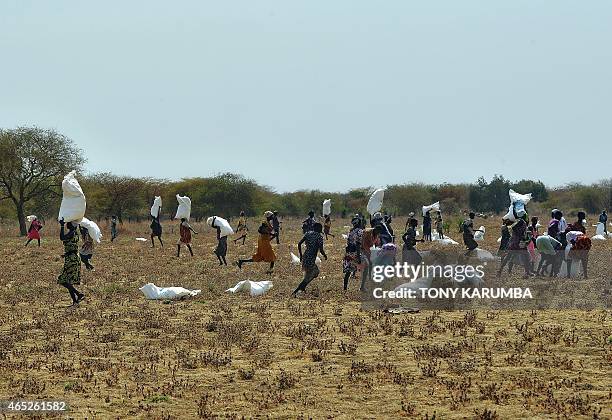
x=264 y=252
x=71 y=273
x=185 y=231
x=34 y=231
x=314 y=245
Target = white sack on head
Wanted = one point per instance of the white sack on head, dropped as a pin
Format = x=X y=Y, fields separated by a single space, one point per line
x=326 y=207
x=73 y=200
x=435 y=206
x=184 y=208
x=376 y=201
x=221 y=223
x=151 y=291
x=254 y=288
x=30 y=218
x=156 y=207
x=517 y=205
x=92 y=228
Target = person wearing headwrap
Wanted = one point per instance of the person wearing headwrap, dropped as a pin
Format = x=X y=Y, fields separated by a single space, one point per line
x=352 y=256
x=34 y=231
x=264 y=252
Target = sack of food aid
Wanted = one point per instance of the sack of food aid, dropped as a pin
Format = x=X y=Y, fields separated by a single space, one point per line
x=156 y=207
x=435 y=207
x=184 y=208
x=92 y=228
x=376 y=201
x=221 y=223
x=517 y=205
x=73 y=203
x=327 y=207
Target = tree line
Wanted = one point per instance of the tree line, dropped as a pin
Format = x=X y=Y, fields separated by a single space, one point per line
x=33 y=162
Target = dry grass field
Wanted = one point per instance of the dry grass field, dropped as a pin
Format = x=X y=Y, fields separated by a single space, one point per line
x=118 y=355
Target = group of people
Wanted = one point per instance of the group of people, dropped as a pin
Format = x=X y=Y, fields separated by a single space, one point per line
x=520 y=238
x=561 y=243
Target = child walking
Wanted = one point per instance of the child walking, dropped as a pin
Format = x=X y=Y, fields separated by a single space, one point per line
x=185 y=230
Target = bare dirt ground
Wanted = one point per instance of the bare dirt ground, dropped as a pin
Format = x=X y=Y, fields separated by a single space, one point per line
x=118 y=355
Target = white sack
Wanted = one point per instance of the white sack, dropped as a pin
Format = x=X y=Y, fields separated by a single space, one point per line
x=435 y=206
x=156 y=207
x=255 y=288
x=484 y=255
x=376 y=201
x=499 y=240
x=517 y=204
x=30 y=218
x=92 y=228
x=151 y=291
x=184 y=208
x=598 y=238
x=141 y=239
x=600 y=230
x=445 y=241
x=226 y=228
x=479 y=236
x=73 y=200
x=344 y=236
x=327 y=207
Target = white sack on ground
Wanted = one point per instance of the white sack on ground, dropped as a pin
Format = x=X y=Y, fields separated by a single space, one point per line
x=444 y=241
x=30 y=218
x=226 y=228
x=73 y=200
x=376 y=201
x=141 y=239
x=184 y=208
x=599 y=238
x=600 y=229
x=327 y=207
x=517 y=204
x=255 y=288
x=435 y=206
x=484 y=255
x=151 y=291
x=156 y=207
x=479 y=236
x=92 y=228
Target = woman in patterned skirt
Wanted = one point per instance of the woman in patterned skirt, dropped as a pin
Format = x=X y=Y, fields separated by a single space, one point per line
x=71 y=274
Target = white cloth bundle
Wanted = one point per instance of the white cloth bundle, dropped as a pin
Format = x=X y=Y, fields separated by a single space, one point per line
x=73 y=204
x=151 y=291
x=156 y=207
x=435 y=206
x=92 y=228
x=141 y=239
x=254 y=288
x=30 y=218
x=376 y=201
x=184 y=208
x=326 y=207
x=223 y=224
x=484 y=255
x=517 y=205
x=479 y=236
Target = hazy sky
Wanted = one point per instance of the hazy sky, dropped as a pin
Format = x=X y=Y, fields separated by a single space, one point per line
x=326 y=94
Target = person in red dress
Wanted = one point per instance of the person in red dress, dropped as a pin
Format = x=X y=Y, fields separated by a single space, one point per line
x=34 y=231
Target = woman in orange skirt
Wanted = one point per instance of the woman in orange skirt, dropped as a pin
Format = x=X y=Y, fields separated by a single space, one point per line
x=264 y=248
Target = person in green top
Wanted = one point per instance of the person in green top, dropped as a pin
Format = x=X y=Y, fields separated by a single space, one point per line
x=71 y=273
